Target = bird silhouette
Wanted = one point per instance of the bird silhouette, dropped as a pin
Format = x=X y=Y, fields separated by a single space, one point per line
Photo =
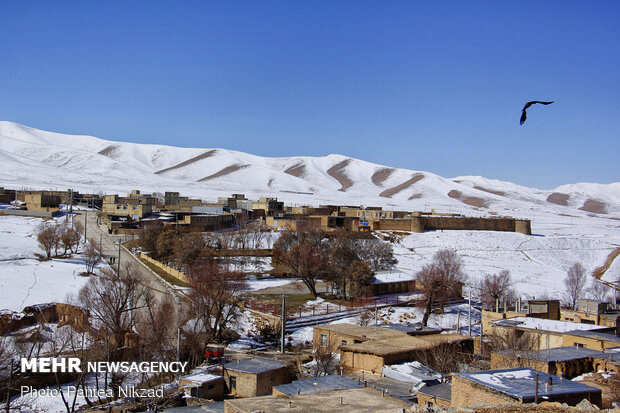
x=527 y=105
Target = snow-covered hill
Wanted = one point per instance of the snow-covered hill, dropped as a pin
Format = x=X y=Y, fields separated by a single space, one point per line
x=36 y=158
x=578 y=222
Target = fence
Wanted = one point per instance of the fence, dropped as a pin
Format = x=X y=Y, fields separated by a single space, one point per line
x=169 y=270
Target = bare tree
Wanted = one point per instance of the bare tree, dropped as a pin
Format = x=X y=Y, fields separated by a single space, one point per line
x=325 y=359
x=215 y=295
x=308 y=262
x=495 y=287
x=599 y=291
x=443 y=358
x=361 y=278
x=514 y=345
x=575 y=283
x=47 y=236
x=378 y=254
x=187 y=249
x=110 y=298
x=439 y=279
x=91 y=256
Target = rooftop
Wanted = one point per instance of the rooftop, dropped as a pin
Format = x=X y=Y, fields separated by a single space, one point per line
x=412 y=372
x=361 y=332
x=520 y=383
x=597 y=335
x=201 y=377
x=382 y=277
x=403 y=343
x=317 y=384
x=545 y=325
x=554 y=354
x=254 y=365
x=351 y=400
x=442 y=391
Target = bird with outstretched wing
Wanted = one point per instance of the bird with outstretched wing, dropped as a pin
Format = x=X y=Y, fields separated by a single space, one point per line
x=527 y=105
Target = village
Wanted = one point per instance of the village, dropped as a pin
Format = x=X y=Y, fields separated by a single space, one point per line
x=298 y=308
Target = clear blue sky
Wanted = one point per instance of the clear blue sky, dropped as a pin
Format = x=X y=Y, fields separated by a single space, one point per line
x=435 y=86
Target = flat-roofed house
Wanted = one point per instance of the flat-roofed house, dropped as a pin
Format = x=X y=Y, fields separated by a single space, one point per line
x=203 y=385
x=547 y=333
x=566 y=362
x=360 y=400
x=255 y=376
x=516 y=386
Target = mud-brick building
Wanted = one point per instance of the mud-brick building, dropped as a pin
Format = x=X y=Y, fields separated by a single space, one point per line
x=593 y=312
x=439 y=395
x=203 y=385
x=372 y=355
x=567 y=362
x=7 y=195
x=40 y=201
x=372 y=347
x=334 y=336
x=593 y=339
x=546 y=333
x=361 y=400
x=255 y=376
x=512 y=386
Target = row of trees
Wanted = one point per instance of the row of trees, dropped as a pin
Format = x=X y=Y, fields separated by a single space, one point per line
x=63 y=238
x=167 y=244
x=347 y=259
x=59 y=237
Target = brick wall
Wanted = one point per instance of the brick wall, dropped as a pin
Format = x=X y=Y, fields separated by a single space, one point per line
x=466 y=393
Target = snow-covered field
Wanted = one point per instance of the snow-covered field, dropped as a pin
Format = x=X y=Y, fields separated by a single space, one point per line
x=24 y=280
x=537 y=264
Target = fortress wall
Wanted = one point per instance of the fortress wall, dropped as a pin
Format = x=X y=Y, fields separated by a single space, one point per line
x=419 y=224
x=481 y=224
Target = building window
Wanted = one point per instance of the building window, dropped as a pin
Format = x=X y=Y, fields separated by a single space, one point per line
x=323 y=340
x=233 y=383
x=578 y=345
x=343 y=343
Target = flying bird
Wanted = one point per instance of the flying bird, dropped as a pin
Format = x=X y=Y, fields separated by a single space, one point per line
x=527 y=105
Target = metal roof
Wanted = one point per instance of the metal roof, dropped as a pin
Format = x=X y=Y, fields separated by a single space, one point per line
x=595 y=335
x=317 y=384
x=442 y=391
x=520 y=383
x=254 y=365
x=554 y=354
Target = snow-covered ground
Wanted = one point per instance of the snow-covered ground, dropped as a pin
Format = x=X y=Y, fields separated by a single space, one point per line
x=24 y=280
x=537 y=263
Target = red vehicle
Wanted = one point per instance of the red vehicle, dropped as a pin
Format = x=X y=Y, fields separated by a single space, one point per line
x=214 y=351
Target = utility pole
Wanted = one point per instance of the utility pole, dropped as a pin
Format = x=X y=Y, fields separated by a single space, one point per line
x=178 y=347
x=85 y=222
x=536 y=390
x=118 y=265
x=469 y=311
x=458 y=322
x=283 y=322
x=375 y=312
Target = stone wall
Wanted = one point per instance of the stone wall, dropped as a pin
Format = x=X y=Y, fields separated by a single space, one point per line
x=169 y=270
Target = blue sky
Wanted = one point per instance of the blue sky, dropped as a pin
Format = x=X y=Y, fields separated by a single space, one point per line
x=435 y=86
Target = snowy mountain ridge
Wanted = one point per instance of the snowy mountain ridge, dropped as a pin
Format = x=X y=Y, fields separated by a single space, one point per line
x=36 y=158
